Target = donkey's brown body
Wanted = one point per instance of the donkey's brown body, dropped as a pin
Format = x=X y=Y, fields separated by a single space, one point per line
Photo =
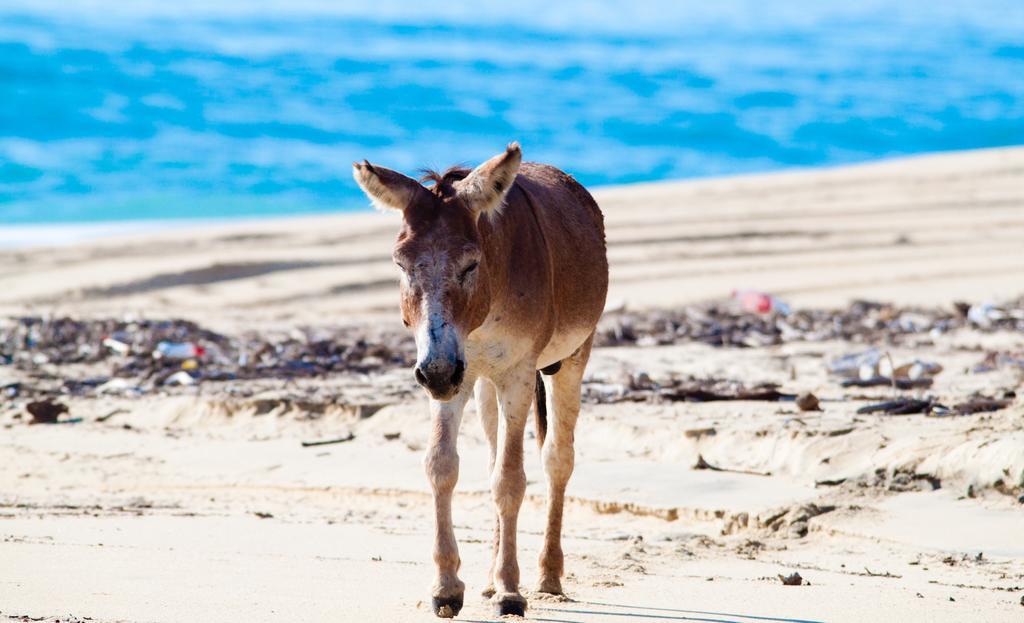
x=504 y=272
x=545 y=253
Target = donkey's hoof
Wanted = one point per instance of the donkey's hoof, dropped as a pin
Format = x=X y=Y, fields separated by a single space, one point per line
x=447 y=607
x=550 y=586
x=488 y=591
x=510 y=604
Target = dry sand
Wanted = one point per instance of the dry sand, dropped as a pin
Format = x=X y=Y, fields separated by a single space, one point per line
x=199 y=504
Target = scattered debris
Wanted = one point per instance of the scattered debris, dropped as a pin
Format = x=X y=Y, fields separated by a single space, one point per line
x=720 y=324
x=856 y=365
x=900 y=406
x=753 y=301
x=679 y=390
x=994 y=360
x=641 y=380
x=792 y=579
x=915 y=370
x=703 y=464
x=879 y=381
x=887 y=574
x=119 y=386
x=107 y=416
x=325 y=442
x=142 y=352
x=793 y=521
x=367 y=410
x=981 y=404
x=117 y=346
x=833 y=482
x=710 y=391
x=808 y=402
x=146 y=355
x=180 y=378
x=839 y=432
x=699 y=433
x=930 y=406
x=750 y=548
x=872 y=368
x=985 y=315
x=907 y=479
x=45 y=411
x=178 y=350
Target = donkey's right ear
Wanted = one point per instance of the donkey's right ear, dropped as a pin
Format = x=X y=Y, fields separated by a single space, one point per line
x=387 y=189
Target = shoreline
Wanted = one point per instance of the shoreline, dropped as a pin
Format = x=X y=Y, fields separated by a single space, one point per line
x=21 y=235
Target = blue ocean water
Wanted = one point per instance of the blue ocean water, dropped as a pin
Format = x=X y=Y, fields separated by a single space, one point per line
x=114 y=110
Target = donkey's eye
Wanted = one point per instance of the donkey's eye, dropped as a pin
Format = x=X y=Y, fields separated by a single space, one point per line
x=467 y=271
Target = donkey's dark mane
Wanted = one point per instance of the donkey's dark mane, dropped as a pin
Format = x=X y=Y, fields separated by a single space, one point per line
x=441 y=183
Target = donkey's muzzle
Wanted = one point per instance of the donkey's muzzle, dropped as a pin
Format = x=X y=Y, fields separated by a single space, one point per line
x=440 y=377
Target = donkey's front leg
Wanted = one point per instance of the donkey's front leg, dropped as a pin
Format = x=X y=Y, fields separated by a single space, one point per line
x=508 y=484
x=442 y=465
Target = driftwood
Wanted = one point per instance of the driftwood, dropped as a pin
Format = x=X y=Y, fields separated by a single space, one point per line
x=880 y=381
x=930 y=406
x=696 y=393
x=981 y=404
x=327 y=442
x=703 y=464
x=901 y=406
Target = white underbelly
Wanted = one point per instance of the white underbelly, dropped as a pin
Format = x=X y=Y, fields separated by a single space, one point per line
x=562 y=345
x=491 y=350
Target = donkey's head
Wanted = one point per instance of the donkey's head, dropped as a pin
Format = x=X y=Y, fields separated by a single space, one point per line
x=445 y=287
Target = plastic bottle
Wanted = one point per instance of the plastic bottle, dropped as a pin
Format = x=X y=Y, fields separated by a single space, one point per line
x=178 y=350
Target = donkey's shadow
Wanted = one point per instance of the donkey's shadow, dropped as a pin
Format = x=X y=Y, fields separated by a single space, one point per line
x=569 y=611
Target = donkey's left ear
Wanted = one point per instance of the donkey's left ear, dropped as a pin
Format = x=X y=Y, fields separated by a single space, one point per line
x=484 y=189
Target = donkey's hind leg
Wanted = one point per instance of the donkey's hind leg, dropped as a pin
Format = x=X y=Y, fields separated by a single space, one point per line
x=563 y=402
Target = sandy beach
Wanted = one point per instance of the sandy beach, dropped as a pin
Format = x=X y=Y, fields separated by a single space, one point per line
x=149 y=501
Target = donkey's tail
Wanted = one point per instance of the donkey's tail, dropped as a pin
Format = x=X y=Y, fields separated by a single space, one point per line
x=540 y=411
x=540 y=403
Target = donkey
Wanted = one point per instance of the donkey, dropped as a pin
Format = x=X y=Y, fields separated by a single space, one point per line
x=504 y=274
